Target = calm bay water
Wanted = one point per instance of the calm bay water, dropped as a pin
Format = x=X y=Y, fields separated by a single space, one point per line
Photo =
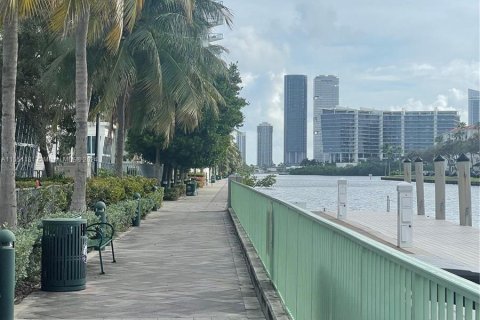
x=364 y=195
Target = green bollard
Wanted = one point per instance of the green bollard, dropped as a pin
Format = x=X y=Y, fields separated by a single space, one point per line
x=100 y=211
x=155 y=189
x=138 y=216
x=7 y=274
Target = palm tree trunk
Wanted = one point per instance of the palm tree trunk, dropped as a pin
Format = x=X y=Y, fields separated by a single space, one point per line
x=158 y=166
x=81 y=114
x=120 y=143
x=8 y=199
x=45 y=156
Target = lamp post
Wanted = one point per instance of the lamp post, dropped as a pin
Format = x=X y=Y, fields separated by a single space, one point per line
x=97 y=140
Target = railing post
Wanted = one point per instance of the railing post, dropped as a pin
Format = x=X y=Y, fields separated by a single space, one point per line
x=464 y=190
x=7 y=274
x=439 y=188
x=342 y=199
x=404 y=214
x=229 y=200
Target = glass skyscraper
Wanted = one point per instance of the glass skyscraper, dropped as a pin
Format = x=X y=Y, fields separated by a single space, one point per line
x=264 y=145
x=325 y=95
x=473 y=107
x=295 y=119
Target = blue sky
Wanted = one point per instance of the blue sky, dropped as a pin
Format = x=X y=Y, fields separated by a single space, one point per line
x=389 y=55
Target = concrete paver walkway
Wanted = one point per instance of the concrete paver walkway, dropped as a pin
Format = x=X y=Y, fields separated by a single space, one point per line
x=184 y=262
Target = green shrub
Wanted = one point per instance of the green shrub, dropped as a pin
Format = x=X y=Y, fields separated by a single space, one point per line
x=171 y=194
x=109 y=190
x=26 y=238
x=157 y=198
x=33 y=204
x=133 y=185
x=120 y=215
x=181 y=188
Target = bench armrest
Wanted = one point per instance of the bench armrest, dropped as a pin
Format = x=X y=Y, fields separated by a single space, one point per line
x=101 y=231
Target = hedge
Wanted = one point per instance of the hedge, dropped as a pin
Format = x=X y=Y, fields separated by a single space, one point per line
x=175 y=192
x=38 y=204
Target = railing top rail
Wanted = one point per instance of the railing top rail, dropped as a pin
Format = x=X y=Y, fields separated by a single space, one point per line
x=442 y=277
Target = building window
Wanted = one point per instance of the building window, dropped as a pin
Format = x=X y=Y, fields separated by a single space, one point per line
x=91 y=146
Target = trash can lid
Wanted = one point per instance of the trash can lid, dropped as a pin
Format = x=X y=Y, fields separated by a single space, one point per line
x=6 y=237
x=64 y=221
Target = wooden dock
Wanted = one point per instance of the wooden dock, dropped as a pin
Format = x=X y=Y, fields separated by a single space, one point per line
x=438 y=242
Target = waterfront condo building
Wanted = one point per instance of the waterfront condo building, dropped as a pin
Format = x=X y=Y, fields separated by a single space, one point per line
x=325 y=95
x=351 y=135
x=473 y=107
x=295 y=119
x=241 y=144
x=264 y=145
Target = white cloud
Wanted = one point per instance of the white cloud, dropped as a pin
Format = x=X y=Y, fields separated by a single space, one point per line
x=248 y=79
x=258 y=53
x=458 y=94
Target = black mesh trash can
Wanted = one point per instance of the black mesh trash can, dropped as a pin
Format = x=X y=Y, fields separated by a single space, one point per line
x=191 y=188
x=64 y=254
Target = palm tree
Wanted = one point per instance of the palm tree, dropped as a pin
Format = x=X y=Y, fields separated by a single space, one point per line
x=74 y=15
x=10 y=11
x=163 y=71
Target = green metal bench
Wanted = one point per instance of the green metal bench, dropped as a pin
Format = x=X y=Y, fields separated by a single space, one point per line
x=101 y=235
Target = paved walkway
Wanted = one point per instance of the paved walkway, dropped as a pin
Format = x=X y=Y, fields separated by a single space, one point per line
x=184 y=262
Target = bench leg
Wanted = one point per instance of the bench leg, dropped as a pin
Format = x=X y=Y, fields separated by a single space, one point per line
x=113 y=252
x=101 y=260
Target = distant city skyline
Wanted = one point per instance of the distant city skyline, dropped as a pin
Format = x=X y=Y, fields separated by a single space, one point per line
x=384 y=61
x=295 y=119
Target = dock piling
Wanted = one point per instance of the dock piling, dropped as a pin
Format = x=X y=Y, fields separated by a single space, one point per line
x=420 y=187
x=464 y=190
x=439 y=187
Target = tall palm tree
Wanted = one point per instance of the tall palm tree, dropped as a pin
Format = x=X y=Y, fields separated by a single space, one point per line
x=74 y=15
x=163 y=70
x=10 y=11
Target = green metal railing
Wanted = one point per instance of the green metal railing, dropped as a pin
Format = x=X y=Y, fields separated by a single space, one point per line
x=325 y=271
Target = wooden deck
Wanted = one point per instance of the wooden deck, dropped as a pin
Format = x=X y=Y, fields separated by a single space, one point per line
x=440 y=243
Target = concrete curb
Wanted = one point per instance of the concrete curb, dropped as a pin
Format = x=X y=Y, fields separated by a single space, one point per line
x=267 y=295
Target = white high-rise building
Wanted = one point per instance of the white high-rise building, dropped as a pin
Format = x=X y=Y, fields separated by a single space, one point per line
x=352 y=135
x=473 y=107
x=264 y=145
x=325 y=96
x=241 y=145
